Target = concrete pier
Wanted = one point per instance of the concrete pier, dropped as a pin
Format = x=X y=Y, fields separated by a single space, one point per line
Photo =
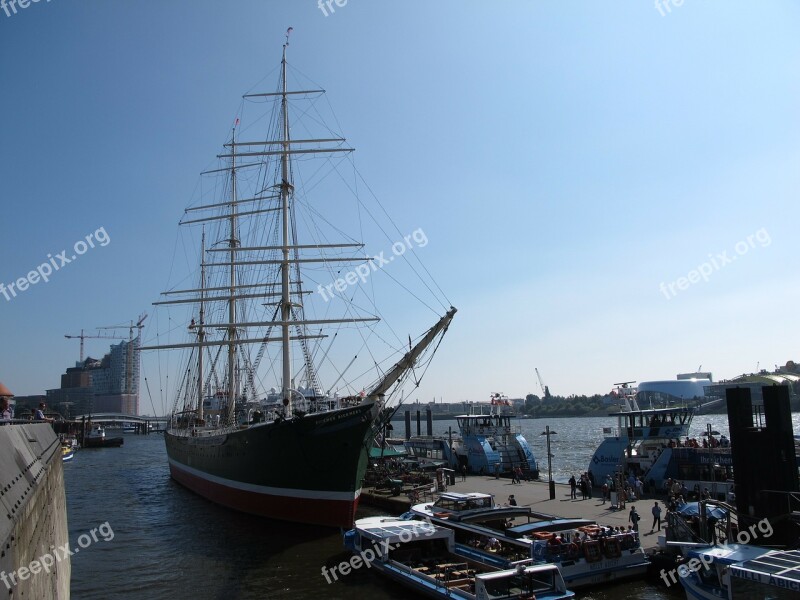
x=33 y=520
x=536 y=494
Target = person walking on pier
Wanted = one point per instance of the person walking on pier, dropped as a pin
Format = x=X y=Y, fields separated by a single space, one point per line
x=633 y=517
x=656 y=517
x=573 y=488
x=463 y=472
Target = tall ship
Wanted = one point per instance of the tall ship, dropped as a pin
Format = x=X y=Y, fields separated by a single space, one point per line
x=261 y=315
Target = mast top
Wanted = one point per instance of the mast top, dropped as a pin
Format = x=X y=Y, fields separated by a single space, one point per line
x=288 y=31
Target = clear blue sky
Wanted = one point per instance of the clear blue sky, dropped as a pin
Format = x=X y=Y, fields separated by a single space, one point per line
x=564 y=159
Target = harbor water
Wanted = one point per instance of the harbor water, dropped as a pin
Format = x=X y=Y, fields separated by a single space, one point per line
x=158 y=540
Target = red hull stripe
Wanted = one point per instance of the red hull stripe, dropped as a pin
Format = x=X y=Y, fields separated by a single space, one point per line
x=322 y=509
x=263 y=489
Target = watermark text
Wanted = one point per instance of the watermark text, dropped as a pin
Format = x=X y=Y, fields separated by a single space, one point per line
x=54 y=263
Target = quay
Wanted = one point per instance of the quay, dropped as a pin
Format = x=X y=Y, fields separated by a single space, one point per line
x=536 y=494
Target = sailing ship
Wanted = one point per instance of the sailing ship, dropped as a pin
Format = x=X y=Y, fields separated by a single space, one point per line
x=301 y=453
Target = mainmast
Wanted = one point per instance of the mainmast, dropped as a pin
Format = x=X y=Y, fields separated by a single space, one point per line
x=232 y=243
x=286 y=307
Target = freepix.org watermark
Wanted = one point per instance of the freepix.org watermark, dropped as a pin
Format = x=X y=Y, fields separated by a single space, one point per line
x=714 y=263
x=10 y=6
x=665 y=6
x=362 y=272
x=366 y=556
x=329 y=3
x=764 y=527
x=49 y=560
x=54 y=263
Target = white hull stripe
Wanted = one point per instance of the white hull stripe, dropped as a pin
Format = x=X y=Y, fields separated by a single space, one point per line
x=265 y=490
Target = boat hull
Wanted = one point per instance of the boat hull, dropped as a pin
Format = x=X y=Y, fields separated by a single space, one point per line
x=307 y=470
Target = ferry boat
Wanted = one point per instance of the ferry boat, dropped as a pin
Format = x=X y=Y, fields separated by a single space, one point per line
x=646 y=442
x=586 y=553
x=486 y=444
x=739 y=571
x=421 y=556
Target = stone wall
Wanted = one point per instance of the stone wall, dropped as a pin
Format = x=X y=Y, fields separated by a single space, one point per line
x=33 y=514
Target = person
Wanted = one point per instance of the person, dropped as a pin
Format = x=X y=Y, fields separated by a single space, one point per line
x=656 y=510
x=463 y=472
x=512 y=501
x=39 y=414
x=514 y=477
x=493 y=545
x=5 y=409
x=633 y=517
x=605 y=493
x=573 y=488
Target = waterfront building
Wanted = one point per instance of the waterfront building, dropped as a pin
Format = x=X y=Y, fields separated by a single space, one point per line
x=110 y=384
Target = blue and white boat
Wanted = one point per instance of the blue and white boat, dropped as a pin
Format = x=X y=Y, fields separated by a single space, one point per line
x=487 y=444
x=738 y=571
x=420 y=556
x=645 y=442
x=586 y=553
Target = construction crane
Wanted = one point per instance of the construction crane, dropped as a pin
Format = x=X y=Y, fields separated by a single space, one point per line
x=545 y=389
x=83 y=336
x=130 y=327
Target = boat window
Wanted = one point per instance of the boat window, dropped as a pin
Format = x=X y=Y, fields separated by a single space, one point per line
x=515 y=585
x=754 y=590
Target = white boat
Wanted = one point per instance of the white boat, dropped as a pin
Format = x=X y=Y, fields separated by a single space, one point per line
x=421 y=557
x=645 y=441
x=738 y=571
x=586 y=553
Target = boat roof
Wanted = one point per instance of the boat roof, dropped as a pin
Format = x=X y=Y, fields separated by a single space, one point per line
x=394 y=529
x=780 y=568
x=552 y=525
x=459 y=496
x=730 y=553
x=652 y=411
x=476 y=515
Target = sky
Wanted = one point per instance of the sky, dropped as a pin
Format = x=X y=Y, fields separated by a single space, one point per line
x=609 y=189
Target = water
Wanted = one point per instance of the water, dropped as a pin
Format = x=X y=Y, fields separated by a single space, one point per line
x=169 y=543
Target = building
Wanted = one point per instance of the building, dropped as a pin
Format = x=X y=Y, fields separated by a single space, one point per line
x=107 y=385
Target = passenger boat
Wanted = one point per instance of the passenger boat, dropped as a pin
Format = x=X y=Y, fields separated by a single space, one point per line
x=421 y=556
x=96 y=438
x=738 y=571
x=255 y=318
x=645 y=442
x=586 y=553
x=486 y=444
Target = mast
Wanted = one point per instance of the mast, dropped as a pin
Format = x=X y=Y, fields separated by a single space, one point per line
x=232 y=290
x=200 y=332
x=286 y=309
x=410 y=357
